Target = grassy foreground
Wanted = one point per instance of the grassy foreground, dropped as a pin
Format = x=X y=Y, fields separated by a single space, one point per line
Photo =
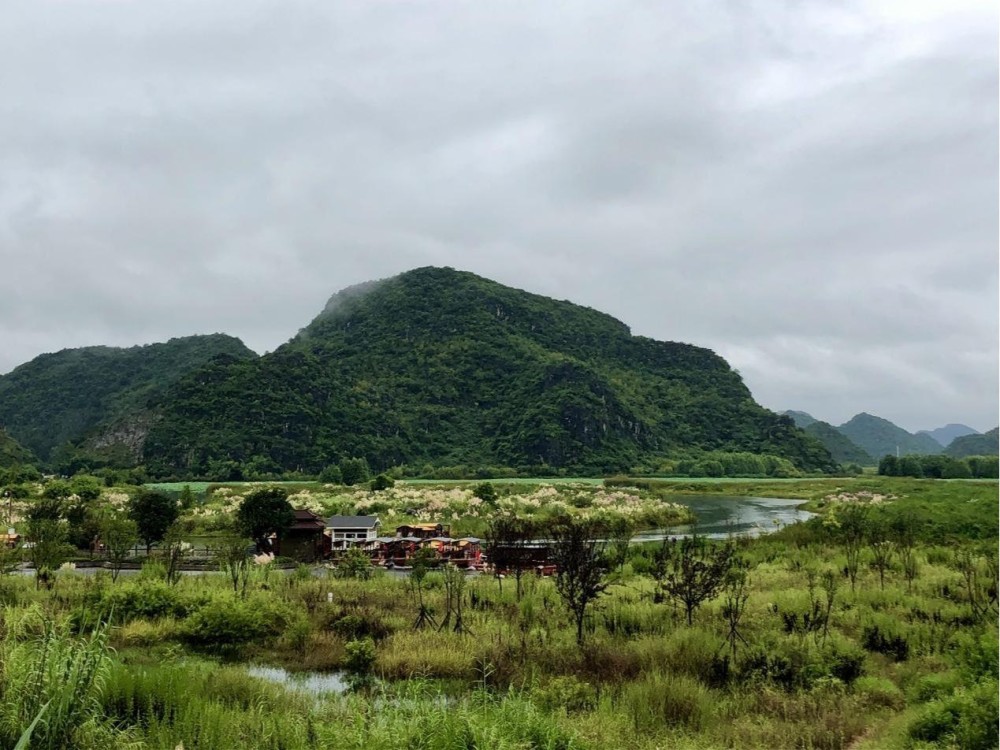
x=908 y=662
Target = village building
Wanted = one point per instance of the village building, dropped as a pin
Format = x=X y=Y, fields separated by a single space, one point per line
x=348 y=531
x=423 y=530
x=304 y=540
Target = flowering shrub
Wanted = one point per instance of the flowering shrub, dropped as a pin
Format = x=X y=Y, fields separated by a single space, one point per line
x=458 y=505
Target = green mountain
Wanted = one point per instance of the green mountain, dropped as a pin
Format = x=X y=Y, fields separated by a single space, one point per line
x=843 y=450
x=58 y=399
x=975 y=445
x=947 y=434
x=12 y=452
x=879 y=437
x=442 y=367
x=802 y=419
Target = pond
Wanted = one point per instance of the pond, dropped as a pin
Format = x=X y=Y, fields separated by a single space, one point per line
x=721 y=515
x=311 y=683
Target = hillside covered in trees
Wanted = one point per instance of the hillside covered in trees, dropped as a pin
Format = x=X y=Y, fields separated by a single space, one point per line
x=442 y=367
x=57 y=400
x=986 y=444
x=843 y=450
x=12 y=452
x=879 y=437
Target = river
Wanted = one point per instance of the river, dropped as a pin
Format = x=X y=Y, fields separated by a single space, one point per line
x=721 y=515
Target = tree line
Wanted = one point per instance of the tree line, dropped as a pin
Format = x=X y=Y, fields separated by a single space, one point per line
x=939 y=467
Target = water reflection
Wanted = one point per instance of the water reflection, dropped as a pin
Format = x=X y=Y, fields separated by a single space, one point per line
x=721 y=515
x=312 y=683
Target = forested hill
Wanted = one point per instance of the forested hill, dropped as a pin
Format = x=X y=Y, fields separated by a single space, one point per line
x=987 y=444
x=442 y=367
x=842 y=448
x=56 y=399
x=880 y=437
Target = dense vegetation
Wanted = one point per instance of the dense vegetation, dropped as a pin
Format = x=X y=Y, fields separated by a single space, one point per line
x=842 y=448
x=53 y=402
x=871 y=627
x=12 y=453
x=987 y=444
x=439 y=367
x=939 y=467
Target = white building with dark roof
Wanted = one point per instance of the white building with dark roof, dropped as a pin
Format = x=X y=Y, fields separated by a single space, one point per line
x=348 y=531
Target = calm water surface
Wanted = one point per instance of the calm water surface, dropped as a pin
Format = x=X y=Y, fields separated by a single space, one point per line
x=313 y=683
x=721 y=515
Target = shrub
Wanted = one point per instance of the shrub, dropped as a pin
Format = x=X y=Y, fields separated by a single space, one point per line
x=357 y=626
x=382 y=482
x=146 y=600
x=933 y=686
x=661 y=701
x=567 y=693
x=227 y=622
x=360 y=656
x=880 y=692
x=144 y=633
x=893 y=645
x=847 y=664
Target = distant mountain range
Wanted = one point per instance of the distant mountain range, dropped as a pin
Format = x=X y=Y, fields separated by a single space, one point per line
x=431 y=368
x=947 y=434
x=868 y=438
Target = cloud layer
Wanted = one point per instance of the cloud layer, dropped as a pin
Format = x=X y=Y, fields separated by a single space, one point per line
x=810 y=189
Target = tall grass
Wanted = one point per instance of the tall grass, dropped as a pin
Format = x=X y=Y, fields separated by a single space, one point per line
x=52 y=689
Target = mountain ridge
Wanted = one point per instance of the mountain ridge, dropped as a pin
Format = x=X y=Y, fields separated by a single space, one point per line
x=58 y=398
x=980 y=444
x=879 y=437
x=440 y=366
x=948 y=433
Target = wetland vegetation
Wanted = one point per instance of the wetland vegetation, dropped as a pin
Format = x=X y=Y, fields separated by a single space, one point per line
x=872 y=625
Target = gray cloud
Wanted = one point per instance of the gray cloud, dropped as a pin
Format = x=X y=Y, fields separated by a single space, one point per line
x=809 y=189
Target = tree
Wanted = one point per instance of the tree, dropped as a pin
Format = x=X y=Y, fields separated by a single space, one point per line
x=620 y=532
x=120 y=535
x=265 y=512
x=486 y=492
x=86 y=487
x=355 y=564
x=382 y=482
x=851 y=530
x=454 y=593
x=186 y=499
x=882 y=548
x=153 y=512
x=909 y=466
x=47 y=547
x=903 y=531
x=888 y=466
x=84 y=523
x=331 y=475
x=507 y=538
x=232 y=553
x=695 y=570
x=578 y=557
x=736 y=593
x=422 y=563
x=354 y=471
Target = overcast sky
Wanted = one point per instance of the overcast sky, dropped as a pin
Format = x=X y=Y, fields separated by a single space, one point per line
x=808 y=188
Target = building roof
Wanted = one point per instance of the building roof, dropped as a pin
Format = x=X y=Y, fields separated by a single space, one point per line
x=306 y=520
x=352 y=522
x=422 y=526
